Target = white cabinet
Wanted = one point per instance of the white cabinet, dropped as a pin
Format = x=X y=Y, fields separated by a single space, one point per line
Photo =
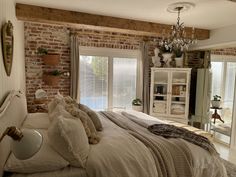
x=169 y=97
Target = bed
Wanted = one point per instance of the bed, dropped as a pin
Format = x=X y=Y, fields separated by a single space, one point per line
x=121 y=152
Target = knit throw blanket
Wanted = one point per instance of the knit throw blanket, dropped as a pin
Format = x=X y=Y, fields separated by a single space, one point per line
x=171 y=131
x=172 y=157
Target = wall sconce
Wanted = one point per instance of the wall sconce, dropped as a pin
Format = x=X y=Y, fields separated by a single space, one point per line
x=25 y=144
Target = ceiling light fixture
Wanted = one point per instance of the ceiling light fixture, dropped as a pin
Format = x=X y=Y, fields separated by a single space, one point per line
x=177 y=39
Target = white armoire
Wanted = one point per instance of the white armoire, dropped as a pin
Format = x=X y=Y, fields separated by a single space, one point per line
x=169 y=94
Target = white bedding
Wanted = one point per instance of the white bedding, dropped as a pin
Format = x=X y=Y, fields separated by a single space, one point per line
x=119 y=154
x=66 y=172
x=204 y=164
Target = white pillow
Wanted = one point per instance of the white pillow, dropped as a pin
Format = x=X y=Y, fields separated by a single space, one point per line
x=68 y=138
x=59 y=111
x=52 y=104
x=46 y=159
x=37 y=121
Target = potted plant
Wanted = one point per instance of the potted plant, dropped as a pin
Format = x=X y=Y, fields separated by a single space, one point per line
x=49 y=58
x=52 y=78
x=178 y=58
x=216 y=101
x=137 y=105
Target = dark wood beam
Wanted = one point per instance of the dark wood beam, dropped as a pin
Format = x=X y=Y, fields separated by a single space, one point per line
x=49 y=15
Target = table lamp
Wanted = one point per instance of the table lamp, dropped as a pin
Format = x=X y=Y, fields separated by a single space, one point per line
x=25 y=143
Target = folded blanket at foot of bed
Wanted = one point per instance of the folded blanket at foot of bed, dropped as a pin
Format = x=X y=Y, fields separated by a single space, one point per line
x=171 y=131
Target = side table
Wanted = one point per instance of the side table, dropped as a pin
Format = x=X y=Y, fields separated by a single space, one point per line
x=215 y=115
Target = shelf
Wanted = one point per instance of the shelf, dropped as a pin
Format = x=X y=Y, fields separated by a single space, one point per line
x=178 y=102
x=159 y=101
x=180 y=96
x=160 y=83
x=178 y=83
x=159 y=95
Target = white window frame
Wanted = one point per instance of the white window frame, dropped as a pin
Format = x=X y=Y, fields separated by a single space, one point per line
x=115 y=53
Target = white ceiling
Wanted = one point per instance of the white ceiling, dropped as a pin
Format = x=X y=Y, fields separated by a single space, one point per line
x=208 y=14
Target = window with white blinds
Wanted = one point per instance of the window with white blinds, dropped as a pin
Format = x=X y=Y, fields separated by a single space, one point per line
x=94 y=81
x=108 y=78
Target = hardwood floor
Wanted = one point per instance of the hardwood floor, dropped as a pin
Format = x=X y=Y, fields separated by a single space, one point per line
x=225 y=152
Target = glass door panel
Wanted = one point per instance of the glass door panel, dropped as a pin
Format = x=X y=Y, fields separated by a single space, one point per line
x=124 y=81
x=160 y=95
x=178 y=93
x=217 y=77
x=94 y=81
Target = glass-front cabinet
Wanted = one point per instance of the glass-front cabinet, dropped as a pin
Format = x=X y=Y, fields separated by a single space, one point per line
x=169 y=97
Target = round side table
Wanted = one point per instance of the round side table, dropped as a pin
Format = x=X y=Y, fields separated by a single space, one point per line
x=215 y=115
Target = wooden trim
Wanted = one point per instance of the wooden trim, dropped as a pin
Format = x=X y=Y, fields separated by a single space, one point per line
x=50 y=15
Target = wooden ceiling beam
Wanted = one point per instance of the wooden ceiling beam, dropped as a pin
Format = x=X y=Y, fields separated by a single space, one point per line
x=50 y=15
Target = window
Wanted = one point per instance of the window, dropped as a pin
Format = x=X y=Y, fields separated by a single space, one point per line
x=217 y=76
x=108 y=77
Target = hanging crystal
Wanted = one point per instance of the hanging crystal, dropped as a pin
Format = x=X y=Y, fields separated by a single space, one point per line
x=178 y=38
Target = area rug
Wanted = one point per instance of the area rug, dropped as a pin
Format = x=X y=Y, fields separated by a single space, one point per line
x=230 y=168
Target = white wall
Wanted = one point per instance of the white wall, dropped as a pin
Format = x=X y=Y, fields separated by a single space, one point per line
x=17 y=79
x=219 y=38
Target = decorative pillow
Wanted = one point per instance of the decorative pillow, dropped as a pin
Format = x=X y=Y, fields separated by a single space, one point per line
x=52 y=104
x=93 y=116
x=87 y=123
x=68 y=138
x=59 y=110
x=37 y=121
x=46 y=159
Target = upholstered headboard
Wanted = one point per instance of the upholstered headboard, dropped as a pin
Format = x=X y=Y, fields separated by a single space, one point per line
x=12 y=113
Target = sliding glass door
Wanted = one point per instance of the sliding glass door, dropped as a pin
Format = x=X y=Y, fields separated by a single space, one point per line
x=108 y=80
x=124 y=81
x=223 y=84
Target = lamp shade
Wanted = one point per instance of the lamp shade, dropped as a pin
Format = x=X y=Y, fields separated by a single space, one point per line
x=28 y=146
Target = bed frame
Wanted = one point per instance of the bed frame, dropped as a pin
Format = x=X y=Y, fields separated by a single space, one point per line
x=13 y=112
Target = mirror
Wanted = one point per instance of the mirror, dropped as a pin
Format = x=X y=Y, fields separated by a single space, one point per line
x=7 y=46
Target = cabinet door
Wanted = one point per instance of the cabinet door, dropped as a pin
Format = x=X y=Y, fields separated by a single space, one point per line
x=179 y=92
x=159 y=91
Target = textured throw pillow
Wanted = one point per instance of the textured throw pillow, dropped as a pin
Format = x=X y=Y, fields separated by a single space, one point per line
x=52 y=104
x=59 y=111
x=46 y=159
x=93 y=116
x=87 y=123
x=68 y=138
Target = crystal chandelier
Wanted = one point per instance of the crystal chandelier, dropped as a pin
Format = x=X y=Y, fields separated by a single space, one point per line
x=177 y=39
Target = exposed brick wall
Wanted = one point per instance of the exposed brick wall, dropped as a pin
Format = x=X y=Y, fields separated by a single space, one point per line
x=55 y=38
x=226 y=51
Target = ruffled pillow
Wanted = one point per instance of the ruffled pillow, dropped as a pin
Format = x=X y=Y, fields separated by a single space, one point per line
x=93 y=116
x=68 y=138
x=59 y=99
x=87 y=122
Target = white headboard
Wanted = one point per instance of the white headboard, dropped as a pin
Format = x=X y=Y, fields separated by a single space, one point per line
x=12 y=113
